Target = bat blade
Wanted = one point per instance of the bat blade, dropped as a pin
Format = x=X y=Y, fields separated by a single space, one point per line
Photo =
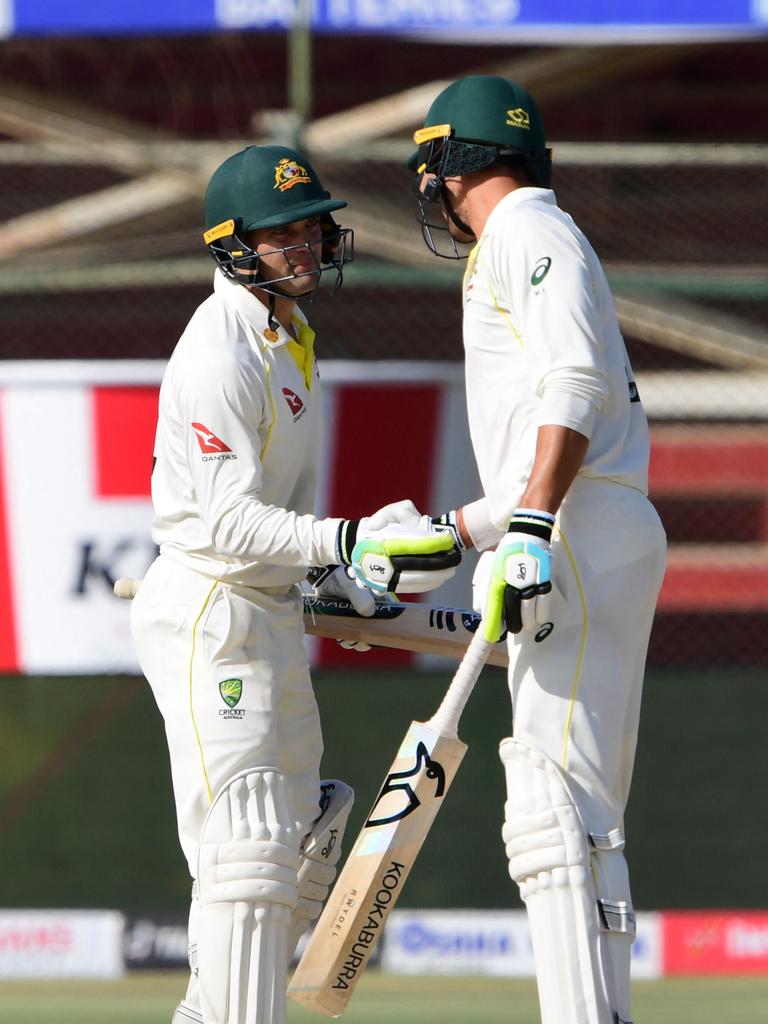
x=368 y=887
x=422 y=628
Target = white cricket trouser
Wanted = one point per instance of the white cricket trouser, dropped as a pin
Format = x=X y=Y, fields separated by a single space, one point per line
x=193 y=633
x=576 y=692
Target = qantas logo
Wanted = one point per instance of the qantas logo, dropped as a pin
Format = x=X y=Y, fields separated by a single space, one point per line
x=295 y=404
x=208 y=441
x=210 y=444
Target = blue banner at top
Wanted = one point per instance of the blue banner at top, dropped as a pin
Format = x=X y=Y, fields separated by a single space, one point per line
x=493 y=20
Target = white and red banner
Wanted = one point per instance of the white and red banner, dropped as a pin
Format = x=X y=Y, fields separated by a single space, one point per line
x=712 y=942
x=76 y=445
x=61 y=944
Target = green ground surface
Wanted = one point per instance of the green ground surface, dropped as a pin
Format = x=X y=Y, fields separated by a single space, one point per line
x=381 y=999
x=87 y=817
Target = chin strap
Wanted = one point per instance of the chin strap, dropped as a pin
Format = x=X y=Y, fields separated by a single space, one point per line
x=455 y=219
x=271 y=319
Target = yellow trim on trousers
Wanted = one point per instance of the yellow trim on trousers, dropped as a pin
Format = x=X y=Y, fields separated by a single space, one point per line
x=582 y=643
x=191 y=705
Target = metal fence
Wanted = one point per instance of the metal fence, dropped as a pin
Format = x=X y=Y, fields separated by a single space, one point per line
x=100 y=259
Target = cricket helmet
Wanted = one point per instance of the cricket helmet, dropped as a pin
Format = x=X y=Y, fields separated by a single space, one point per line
x=263 y=187
x=475 y=122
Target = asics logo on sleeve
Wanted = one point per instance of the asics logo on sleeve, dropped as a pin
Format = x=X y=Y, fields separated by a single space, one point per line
x=209 y=443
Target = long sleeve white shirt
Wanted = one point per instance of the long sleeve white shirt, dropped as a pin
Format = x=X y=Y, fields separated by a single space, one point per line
x=238 y=446
x=543 y=346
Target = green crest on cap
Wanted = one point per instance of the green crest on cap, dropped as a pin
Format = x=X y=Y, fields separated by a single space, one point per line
x=231 y=691
x=264 y=186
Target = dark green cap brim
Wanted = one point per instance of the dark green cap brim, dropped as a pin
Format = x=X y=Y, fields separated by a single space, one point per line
x=312 y=208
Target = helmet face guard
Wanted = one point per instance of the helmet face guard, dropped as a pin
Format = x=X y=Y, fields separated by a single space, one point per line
x=239 y=262
x=442 y=156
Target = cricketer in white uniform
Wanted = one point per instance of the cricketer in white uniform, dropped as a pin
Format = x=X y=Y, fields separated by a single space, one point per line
x=217 y=621
x=561 y=443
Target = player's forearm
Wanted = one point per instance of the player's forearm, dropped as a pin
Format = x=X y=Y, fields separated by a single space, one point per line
x=560 y=452
x=265 y=533
x=474 y=524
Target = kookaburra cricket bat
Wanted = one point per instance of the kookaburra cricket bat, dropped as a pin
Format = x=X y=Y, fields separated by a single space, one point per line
x=383 y=855
x=412 y=626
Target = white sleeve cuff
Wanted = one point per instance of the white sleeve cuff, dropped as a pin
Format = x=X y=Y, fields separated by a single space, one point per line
x=566 y=409
x=477 y=522
x=326 y=532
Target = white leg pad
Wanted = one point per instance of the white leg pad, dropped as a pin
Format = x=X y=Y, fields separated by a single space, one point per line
x=320 y=853
x=551 y=858
x=247 y=877
x=617 y=916
x=188 y=1011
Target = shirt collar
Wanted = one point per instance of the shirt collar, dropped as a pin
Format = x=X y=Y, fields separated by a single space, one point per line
x=251 y=309
x=516 y=198
x=256 y=315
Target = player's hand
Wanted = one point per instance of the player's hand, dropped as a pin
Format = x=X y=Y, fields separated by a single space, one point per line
x=516 y=579
x=407 y=515
x=398 y=548
x=338 y=581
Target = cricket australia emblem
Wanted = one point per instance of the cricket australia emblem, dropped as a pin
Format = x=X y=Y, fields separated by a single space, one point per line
x=231 y=691
x=289 y=173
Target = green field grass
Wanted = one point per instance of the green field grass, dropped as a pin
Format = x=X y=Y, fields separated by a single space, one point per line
x=382 y=999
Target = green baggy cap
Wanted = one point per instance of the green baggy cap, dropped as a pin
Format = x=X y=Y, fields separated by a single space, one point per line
x=264 y=186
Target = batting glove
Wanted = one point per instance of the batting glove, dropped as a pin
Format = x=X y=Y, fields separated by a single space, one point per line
x=337 y=581
x=398 y=549
x=517 y=596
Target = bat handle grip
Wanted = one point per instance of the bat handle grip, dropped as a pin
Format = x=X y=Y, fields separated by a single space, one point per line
x=446 y=719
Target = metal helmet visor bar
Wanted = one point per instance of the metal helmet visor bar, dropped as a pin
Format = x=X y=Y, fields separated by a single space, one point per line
x=243 y=264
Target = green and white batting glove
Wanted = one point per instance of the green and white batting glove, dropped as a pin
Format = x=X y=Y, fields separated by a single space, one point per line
x=520 y=579
x=398 y=549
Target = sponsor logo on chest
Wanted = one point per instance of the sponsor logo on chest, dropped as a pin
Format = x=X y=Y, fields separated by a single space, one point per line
x=295 y=404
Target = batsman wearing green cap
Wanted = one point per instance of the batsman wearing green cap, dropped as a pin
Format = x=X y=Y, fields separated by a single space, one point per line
x=574 y=552
x=217 y=621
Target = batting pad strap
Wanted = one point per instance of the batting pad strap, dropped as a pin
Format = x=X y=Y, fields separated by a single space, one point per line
x=613 y=840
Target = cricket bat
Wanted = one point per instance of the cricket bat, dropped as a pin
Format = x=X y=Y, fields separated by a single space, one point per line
x=412 y=626
x=383 y=855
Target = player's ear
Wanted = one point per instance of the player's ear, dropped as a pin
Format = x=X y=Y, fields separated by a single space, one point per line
x=331 y=238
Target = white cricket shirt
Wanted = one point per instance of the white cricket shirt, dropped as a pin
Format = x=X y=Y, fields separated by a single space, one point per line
x=238 y=446
x=543 y=346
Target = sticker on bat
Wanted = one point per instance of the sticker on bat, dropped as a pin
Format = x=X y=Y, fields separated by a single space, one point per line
x=395 y=784
x=340 y=606
x=442 y=618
